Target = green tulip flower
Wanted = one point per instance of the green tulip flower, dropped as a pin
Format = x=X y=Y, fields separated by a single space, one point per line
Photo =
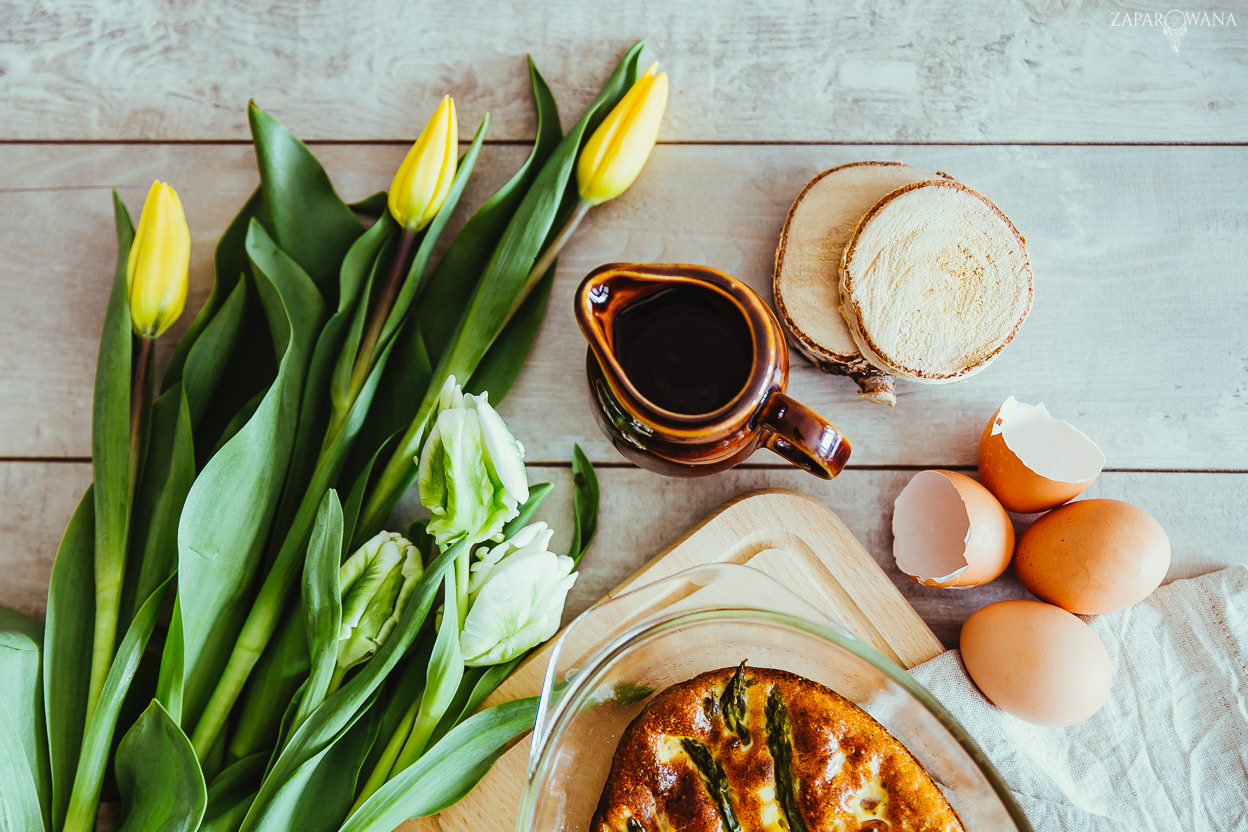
x=376 y=581
x=471 y=473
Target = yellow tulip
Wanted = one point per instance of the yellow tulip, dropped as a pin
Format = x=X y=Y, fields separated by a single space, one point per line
x=424 y=179
x=156 y=272
x=616 y=153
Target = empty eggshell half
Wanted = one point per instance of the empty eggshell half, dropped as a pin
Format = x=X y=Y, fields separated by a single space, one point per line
x=949 y=531
x=1033 y=462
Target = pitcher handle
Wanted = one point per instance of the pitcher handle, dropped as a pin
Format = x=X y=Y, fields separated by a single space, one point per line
x=803 y=437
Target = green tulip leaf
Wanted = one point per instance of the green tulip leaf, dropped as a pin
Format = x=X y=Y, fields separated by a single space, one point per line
x=101 y=725
x=374 y=205
x=230 y=261
x=317 y=797
x=405 y=381
x=322 y=603
x=110 y=457
x=228 y=339
x=401 y=692
x=445 y=671
x=162 y=788
x=478 y=683
x=367 y=265
x=169 y=679
x=230 y=794
x=358 y=270
x=25 y=780
x=169 y=470
x=447 y=771
x=451 y=285
x=216 y=560
x=537 y=495
x=355 y=497
x=248 y=362
x=67 y=651
x=498 y=371
x=208 y=361
x=301 y=210
x=584 y=503
x=241 y=417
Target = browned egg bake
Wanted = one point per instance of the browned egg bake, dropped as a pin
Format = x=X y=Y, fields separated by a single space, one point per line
x=757 y=750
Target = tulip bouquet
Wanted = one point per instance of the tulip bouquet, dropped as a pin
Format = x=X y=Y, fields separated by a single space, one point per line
x=234 y=640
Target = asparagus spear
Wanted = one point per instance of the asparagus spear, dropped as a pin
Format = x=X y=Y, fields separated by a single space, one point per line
x=780 y=743
x=715 y=780
x=733 y=708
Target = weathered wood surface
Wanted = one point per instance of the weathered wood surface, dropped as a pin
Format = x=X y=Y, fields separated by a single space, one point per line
x=785 y=70
x=642 y=513
x=1137 y=334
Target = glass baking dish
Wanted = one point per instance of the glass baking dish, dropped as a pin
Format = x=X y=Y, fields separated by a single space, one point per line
x=615 y=656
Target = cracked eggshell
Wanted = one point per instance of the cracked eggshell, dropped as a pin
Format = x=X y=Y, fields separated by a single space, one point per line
x=949 y=531
x=1033 y=462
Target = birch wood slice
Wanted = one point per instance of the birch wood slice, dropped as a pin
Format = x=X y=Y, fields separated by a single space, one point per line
x=806 y=279
x=935 y=282
x=789 y=535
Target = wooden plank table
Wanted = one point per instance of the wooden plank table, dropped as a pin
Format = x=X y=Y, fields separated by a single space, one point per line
x=1121 y=160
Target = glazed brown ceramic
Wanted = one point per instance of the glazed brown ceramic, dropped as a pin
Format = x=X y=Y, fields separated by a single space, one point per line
x=691 y=444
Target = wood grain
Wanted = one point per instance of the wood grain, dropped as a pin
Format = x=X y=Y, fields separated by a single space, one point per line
x=643 y=513
x=786 y=70
x=1136 y=335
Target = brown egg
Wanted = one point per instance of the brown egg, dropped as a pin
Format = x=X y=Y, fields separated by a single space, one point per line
x=1033 y=462
x=949 y=531
x=1093 y=556
x=1036 y=661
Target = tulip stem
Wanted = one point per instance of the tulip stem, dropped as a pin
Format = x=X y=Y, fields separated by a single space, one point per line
x=385 y=302
x=385 y=764
x=549 y=254
x=335 y=681
x=138 y=408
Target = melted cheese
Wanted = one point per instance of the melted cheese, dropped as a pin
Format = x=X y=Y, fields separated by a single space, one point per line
x=871 y=799
x=772 y=816
x=668 y=749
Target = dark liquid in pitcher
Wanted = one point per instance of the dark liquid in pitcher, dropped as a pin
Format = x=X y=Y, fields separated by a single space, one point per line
x=686 y=349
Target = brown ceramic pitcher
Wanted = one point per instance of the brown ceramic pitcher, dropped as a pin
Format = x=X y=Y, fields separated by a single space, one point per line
x=688 y=366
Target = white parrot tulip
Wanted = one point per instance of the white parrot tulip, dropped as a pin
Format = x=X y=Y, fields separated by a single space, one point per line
x=516 y=597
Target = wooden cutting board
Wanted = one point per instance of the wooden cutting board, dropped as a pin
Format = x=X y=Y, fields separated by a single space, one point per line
x=790 y=536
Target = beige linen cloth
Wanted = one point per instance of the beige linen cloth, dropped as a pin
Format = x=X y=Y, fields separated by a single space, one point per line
x=1167 y=753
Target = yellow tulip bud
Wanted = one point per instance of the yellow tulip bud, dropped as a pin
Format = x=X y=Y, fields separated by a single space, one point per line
x=156 y=272
x=616 y=153
x=424 y=179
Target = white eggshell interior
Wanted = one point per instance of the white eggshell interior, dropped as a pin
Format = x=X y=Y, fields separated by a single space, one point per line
x=1054 y=449
x=930 y=528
